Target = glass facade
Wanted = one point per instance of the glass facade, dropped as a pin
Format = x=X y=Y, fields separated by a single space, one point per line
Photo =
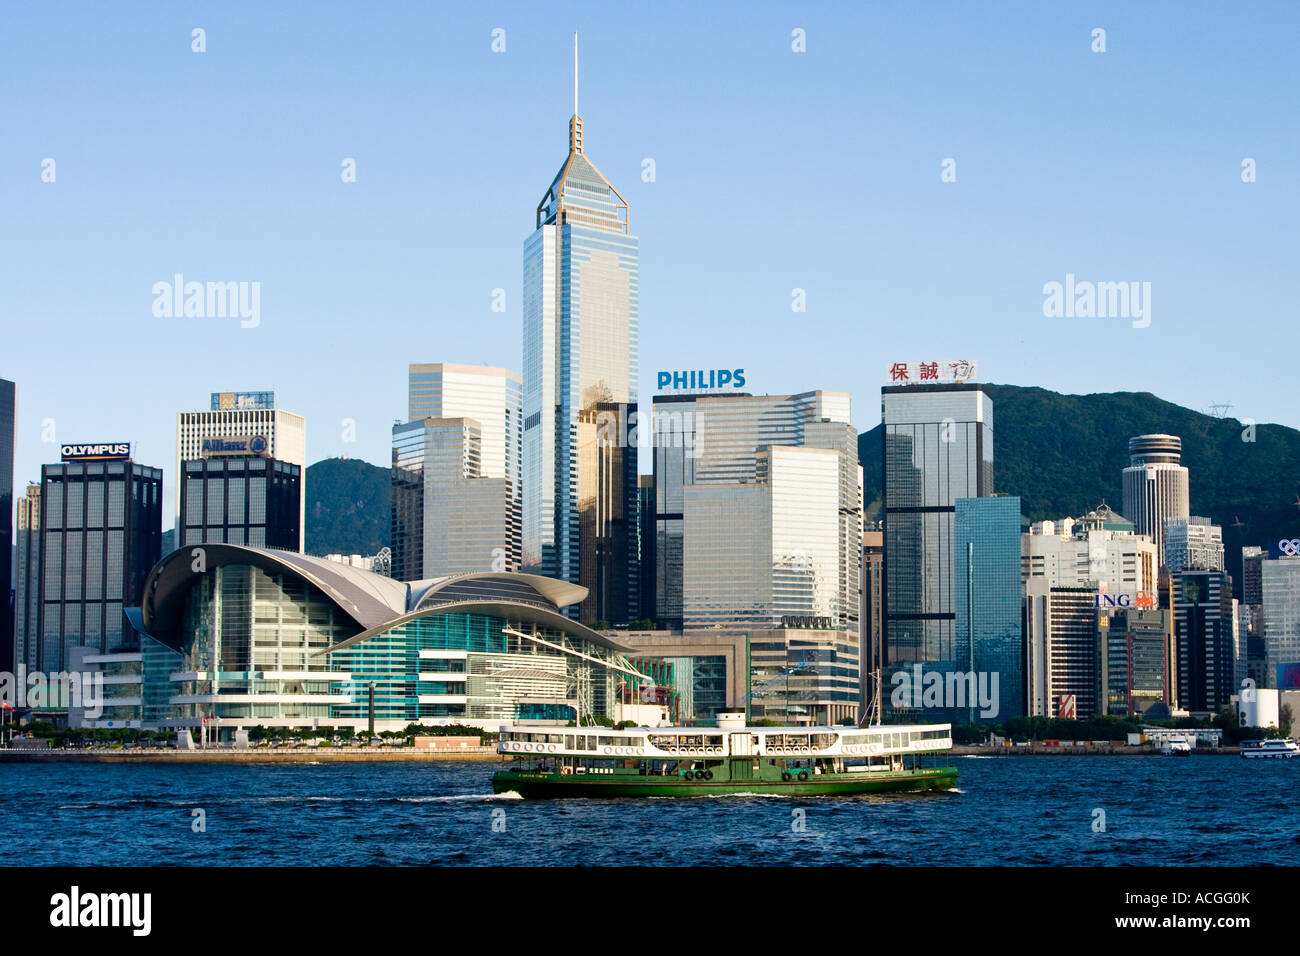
x=937 y=448
x=1204 y=636
x=580 y=307
x=248 y=501
x=986 y=532
x=804 y=676
x=8 y=419
x=1135 y=676
x=1279 y=589
x=101 y=533
x=27 y=580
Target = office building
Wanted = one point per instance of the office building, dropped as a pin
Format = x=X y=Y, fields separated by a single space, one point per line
x=986 y=535
x=8 y=428
x=27 y=580
x=1204 y=634
x=717 y=439
x=649 y=557
x=760 y=552
x=237 y=496
x=447 y=517
x=1100 y=550
x=580 y=348
x=1155 y=485
x=101 y=532
x=1061 y=659
x=252 y=418
x=1280 y=600
x=1135 y=671
x=1252 y=559
x=1193 y=542
x=937 y=448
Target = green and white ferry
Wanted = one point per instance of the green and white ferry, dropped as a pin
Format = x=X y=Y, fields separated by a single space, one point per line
x=730 y=758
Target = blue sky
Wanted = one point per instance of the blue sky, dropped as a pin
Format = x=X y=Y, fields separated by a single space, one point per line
x=774 y=170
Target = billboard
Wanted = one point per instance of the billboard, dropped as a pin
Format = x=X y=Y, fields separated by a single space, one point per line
x=701 y=380
x=933 y=372
x=1067 y=706
x=1288 y=676
x=104 y=451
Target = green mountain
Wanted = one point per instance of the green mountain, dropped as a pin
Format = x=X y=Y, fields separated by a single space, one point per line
x=347 y=507
x=1063 y=454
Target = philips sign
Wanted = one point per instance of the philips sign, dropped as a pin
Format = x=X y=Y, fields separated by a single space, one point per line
x=106 y=451
x=256 y=445
x=702 y=380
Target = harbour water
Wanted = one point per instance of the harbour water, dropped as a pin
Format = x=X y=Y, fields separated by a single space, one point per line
x=1062 y=811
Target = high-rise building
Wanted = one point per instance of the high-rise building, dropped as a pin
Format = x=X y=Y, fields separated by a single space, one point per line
x=649 y=559
x=493 y=398
x=27 y=579
x=447 y=517
x=1204 y=633
x=1134 y=646
x=1061 y=660
x=8 y=427
x=1280 y=597
x=240 y=498
x=1155 y=485
x=101 y=534
x=580 y=305
x=1252 y=558
x=1099 y=551
x=937 y=448
x=986 y=533
x=1193 y=542
x=717 y=438
x=250 y=417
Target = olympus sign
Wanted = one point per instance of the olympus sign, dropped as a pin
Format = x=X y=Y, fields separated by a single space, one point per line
x=105 y=451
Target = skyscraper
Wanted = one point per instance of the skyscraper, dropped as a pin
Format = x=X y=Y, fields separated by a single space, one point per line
x=246 y=416
x=937 y=448
x=447 y=517
x=580 y=294
x=986 y=532
x=237 y=497
x=101 y=531
x=710 y=439
x=8 y=425
x=1155 y=485
x=27 y=579
x=1280 y=597
x=1205 y=638
x=1193 y=542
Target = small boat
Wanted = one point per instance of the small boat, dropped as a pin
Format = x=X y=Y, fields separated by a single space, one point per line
x=1260 y=749
x=731 y=758
x=1177 y=748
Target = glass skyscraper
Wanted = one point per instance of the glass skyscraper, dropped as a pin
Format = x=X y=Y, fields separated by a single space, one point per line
x=247 y=500
x=8 y=425
x=986 y=532
x=937 y=448
x=580 y=294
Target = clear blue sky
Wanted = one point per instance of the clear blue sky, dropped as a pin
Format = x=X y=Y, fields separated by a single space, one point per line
x=774 y=170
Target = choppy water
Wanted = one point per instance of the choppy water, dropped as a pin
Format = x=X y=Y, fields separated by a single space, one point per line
x=1007 y=810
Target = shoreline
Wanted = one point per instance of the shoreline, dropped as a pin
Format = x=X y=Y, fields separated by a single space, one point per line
x=296 y=755
x=969 y=750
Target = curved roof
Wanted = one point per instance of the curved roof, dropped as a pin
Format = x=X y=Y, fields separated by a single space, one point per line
x=524 y=613
x=372 y=601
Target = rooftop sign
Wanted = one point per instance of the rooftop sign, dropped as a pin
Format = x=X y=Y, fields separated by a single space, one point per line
x=934 y=372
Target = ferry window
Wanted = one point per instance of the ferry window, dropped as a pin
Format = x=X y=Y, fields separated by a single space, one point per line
x=568 y=742
x=822 y=741
x=611 y=741
x=712 y=741
x=663 y=741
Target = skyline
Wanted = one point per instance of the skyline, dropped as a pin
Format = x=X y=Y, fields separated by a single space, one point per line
x=354 y=289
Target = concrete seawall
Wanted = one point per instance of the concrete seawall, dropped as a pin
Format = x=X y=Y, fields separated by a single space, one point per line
x=296 y=755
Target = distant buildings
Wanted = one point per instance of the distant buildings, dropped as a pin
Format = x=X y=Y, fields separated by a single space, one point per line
x=27 y=580
x=872 y=623
x=1062 y=661
x=239 y=497
x=1193 y=542
x=250 y=418
x=1134 y=644
x=1101 y=550
x=1155 y=485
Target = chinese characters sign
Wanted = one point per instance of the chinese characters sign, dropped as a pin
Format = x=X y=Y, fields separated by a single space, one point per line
x=932 y=373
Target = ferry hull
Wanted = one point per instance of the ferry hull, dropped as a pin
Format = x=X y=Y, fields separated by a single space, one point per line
x=536 y=785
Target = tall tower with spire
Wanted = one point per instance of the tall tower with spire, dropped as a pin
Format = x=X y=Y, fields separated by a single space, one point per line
x=580 y=386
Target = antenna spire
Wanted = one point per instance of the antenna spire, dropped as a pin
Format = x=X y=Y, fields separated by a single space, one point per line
x=575 y=72
x=575 y=124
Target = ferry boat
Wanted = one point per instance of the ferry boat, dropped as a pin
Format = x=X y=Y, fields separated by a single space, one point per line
x=1257 y=749
x=730 y=758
